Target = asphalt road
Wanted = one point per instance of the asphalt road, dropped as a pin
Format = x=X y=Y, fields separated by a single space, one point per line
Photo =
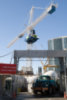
x=27 y=96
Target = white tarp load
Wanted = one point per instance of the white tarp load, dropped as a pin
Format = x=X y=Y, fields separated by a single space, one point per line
x=30 y=80
x=20 y=81
x=52 y=74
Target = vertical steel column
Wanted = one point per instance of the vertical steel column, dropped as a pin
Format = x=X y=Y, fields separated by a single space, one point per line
x=16 y=61
x=65 y=74
x=1 y=87
x=61 y=61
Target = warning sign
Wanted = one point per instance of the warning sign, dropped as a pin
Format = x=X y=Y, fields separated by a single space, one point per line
x=7 y=68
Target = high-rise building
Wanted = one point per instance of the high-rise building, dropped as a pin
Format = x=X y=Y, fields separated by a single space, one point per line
x=59 y=43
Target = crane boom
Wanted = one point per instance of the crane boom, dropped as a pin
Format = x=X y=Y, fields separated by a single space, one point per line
x=41 y=17
x=49 y=10
x=44 y=14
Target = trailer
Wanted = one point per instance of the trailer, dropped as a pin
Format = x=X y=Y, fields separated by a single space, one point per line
x=14 y=84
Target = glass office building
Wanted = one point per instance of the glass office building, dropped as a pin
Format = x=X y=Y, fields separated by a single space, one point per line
x=57 y=44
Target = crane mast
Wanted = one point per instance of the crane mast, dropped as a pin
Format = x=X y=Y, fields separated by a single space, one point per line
x=49 y=10
x=29 y=46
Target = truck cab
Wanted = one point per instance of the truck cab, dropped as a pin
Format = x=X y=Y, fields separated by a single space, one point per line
x=44 y=84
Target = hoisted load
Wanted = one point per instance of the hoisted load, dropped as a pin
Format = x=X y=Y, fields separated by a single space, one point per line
x=32 y=37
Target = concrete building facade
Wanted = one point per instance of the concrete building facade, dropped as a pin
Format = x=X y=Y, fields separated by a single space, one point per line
x=57 y=44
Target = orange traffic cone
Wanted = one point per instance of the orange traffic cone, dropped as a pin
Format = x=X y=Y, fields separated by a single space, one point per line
x=14 y=95
x=65 y=95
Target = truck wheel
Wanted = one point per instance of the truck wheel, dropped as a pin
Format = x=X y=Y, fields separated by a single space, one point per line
x=54 y=90
x=42 y=93
x=50 y=90
x=35 y=92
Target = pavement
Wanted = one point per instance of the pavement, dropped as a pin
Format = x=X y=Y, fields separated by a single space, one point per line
x=28 y=96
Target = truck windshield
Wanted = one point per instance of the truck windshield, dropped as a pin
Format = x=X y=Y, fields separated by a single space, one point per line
x=44 y=78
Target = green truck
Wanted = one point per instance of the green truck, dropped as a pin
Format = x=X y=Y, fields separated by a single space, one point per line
x=44 y=84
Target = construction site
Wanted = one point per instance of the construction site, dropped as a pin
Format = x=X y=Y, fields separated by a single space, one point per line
x=30 y=70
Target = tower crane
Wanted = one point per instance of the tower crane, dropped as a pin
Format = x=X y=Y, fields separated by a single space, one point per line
x=51 y=9
x=31 y=36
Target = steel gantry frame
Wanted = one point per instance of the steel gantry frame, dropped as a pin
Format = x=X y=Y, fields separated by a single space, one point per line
x=60 y=54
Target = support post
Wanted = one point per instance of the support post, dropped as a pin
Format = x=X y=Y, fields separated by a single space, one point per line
x=61 y=61
x=16 y=61
x=65 y=74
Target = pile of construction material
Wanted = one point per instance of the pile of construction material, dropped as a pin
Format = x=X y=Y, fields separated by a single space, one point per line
x=30 y=79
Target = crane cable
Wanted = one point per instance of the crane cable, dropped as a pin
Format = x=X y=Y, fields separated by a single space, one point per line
x=11 y=57
x=6 y=54
x=46 y=61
